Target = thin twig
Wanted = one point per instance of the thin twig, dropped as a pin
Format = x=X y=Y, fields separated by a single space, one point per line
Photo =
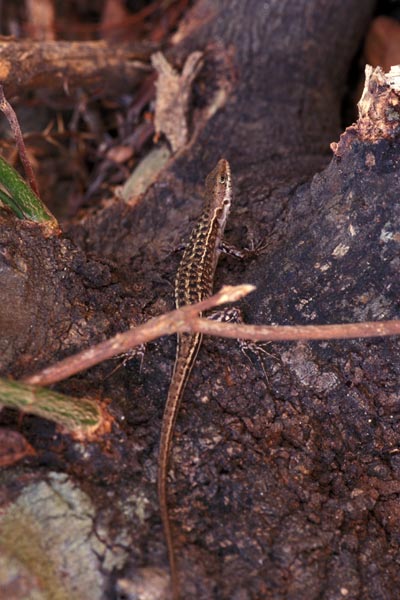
x=186 y=320
x=258 y=333
x=9 y=112
x=171 y=322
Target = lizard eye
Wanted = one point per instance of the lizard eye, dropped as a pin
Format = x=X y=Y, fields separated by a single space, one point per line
x=222 y=179
x=226 y=202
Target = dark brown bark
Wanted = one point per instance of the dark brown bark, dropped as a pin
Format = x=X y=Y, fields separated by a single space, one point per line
x=285 y=488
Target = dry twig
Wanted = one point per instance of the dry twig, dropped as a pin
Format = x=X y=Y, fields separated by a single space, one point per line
x=11 y=117
x=186 y=319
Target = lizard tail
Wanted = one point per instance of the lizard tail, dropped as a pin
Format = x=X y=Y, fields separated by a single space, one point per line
x=187 y=349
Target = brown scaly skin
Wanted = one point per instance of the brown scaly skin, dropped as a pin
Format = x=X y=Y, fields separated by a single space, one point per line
x=194 y=282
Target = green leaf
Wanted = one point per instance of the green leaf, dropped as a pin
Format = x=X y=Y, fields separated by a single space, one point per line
x=21 y=199
x=78 y=415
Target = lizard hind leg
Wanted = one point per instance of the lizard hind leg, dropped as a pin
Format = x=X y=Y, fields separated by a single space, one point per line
x=136 y=353
x=233 y=314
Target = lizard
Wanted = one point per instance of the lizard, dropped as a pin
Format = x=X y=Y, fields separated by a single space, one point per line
x=193 y=283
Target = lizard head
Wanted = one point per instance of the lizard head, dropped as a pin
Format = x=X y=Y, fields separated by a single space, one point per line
x=219 y=190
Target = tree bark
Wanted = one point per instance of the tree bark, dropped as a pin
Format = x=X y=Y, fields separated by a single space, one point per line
x=286 y=487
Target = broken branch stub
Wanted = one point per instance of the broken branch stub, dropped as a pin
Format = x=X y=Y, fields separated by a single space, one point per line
x=173 y=96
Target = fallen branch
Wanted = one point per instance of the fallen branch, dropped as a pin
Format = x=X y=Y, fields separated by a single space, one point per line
x=186 y=320
x=27 y=65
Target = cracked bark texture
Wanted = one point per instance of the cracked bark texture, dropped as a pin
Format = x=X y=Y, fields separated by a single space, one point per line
x=285 y=488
